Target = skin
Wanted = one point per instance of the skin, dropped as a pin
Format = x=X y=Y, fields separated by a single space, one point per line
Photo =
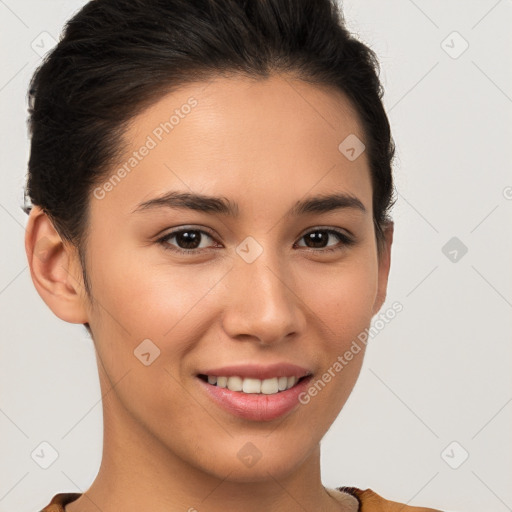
x=265 y=145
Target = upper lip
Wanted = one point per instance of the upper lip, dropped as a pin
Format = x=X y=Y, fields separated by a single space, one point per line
x=261 y=372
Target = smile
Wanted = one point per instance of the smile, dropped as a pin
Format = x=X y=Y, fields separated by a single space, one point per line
x=255 y=399
x=251 y=386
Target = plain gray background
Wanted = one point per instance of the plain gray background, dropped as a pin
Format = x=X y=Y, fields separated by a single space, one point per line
x=436 y=383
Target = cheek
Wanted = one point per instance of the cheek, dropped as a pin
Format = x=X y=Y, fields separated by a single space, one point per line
x=342 y=300
x=342 y=297
x=165 y=302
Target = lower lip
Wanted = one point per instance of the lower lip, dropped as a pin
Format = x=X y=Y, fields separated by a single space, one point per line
x=256 y=406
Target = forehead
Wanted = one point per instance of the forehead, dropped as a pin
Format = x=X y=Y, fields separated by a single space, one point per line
x=266 y=138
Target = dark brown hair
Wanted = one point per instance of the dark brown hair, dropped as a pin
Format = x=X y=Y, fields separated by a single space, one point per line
x=117 y=57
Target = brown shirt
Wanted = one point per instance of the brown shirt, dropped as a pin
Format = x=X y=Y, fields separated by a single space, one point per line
x=353 y=498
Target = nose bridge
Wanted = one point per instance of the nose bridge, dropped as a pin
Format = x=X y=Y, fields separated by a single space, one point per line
x=264 y=305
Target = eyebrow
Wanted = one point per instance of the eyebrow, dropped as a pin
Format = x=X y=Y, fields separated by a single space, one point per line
x=223 y=206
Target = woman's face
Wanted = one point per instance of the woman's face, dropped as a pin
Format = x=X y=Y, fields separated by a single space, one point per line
x=258 y=286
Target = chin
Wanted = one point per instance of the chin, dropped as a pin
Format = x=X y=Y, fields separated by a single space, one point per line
x=256 y=459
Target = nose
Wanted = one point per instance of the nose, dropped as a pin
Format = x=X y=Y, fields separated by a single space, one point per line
x=263 y=304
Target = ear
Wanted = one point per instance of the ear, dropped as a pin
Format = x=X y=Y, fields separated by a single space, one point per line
x=55 y=269
x=383 y=267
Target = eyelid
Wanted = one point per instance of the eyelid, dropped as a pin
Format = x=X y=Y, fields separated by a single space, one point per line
x=341 y=231
x=346 y=238
x=162 y=238
x=177 y=229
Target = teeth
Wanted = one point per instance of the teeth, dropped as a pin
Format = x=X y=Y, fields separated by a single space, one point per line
x=235 y=384
x=266 y=386
x=270 y=386
x=291 y=382
x=249 y=386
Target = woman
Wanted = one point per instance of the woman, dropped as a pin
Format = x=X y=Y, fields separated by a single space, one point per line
x=211 y=186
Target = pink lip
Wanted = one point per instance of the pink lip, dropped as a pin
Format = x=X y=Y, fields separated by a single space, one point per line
x=258 y=371
x=256 y=406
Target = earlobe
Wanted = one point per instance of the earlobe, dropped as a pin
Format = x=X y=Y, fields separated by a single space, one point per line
x=384 y=265
x=54 y=268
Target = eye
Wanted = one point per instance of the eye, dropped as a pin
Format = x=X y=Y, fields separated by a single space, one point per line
x=320 y=236
x=189 y=240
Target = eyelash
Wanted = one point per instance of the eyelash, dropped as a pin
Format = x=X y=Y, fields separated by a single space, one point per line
x=345 y=239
